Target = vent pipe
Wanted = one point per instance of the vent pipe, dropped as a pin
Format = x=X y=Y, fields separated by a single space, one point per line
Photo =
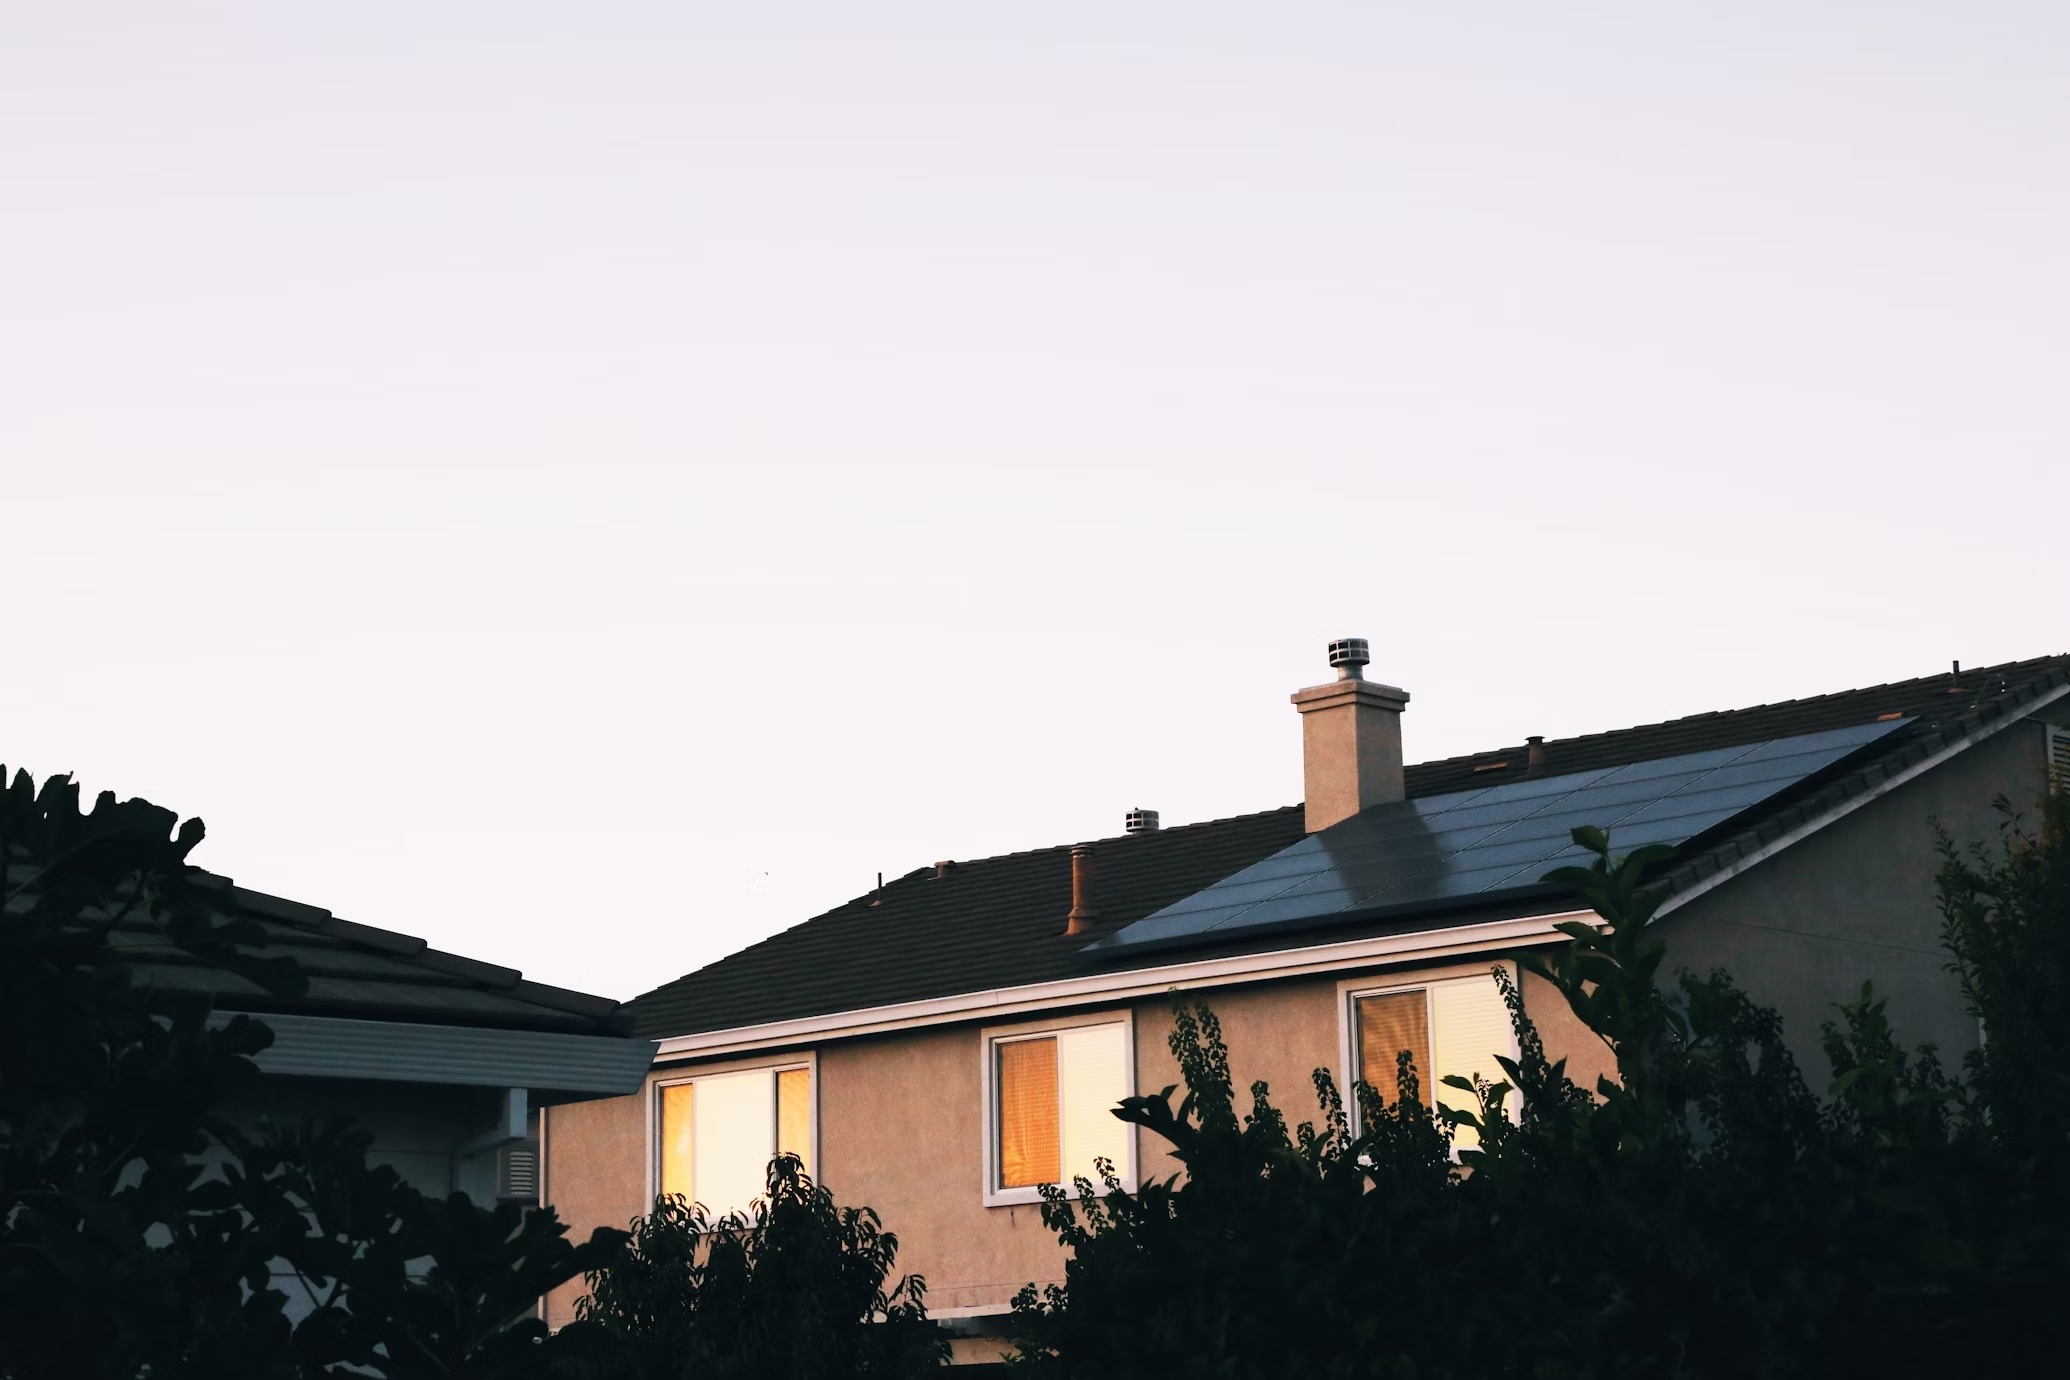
x=1140 y=822
x=1083 y=911
x=1534 y=754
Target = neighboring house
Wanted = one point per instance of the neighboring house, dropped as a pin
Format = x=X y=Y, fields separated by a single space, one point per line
x=446 y=1062
x=940 y=1047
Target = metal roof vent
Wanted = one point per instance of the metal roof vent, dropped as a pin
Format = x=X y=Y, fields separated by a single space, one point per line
x=1350 y=655
x=1140 y=822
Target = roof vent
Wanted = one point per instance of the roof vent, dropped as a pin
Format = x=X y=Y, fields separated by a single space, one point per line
x=1534 y=753
x=1350 y=655
x=517 y=1172
x=1140 y=822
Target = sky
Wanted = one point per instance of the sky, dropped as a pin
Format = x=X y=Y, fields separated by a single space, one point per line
x=594 y=484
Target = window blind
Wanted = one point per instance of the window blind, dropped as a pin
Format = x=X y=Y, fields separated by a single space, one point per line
x=1451 y=1027
x=1092 y=1077
x=1470 y=1025
x=1055 y=1097
x=719 y=1132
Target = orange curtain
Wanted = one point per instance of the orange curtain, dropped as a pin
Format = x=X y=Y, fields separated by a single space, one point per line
x=676 y=1153
x=1030 y=1135
x=794 y=1114
x=1387 y=1025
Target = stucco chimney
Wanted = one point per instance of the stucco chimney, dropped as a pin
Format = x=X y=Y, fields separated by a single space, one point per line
x=1083 y=911
x=1351 y=739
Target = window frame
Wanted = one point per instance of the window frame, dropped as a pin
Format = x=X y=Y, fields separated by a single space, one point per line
x=1351 y=989
x=681 y=1074
x=989 y=1040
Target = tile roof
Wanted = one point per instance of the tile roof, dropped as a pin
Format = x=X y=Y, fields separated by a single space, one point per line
x=998 y=922
x=359 y=971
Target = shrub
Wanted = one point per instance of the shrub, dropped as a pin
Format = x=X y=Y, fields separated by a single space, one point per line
x=794 y=1287
x=1701 y=1214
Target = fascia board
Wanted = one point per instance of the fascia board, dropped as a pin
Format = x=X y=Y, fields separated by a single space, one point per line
x=559 y=1066
x=1126 y=985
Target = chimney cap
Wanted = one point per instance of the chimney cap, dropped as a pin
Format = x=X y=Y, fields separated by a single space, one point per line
x=1141 y=822
x=1348 y=655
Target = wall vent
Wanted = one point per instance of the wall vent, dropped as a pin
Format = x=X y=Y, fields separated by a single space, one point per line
x=517 y=1171
x=2058 y=760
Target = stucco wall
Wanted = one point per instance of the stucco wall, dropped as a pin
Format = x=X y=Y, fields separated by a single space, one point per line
x=594 y=1173
x=900 y=1129
x=1855 y=901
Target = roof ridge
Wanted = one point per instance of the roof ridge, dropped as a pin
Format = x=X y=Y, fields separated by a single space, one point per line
x=1984 y=673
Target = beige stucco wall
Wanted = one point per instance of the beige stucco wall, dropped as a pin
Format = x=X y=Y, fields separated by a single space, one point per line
x=900 y=1128
x=1855 y=901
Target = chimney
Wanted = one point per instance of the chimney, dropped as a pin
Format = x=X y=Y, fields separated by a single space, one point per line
x=1083 y=911
x=1534 y=754
x=1140 y=822
x=1351 y=739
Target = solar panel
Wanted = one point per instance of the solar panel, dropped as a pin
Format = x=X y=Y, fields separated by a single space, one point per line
x=1483 y=844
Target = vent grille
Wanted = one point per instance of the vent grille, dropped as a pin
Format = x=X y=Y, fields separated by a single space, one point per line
x=517 y=1172
x=2058 y=760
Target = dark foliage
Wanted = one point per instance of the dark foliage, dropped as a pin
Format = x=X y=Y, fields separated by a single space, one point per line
x=1702 y=1214
x=793 y=1288
x=141 y=1233
x=2005 y=907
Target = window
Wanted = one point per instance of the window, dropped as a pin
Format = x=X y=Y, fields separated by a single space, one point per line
x=720 y=1130
x=1455 y=1026
x=1050 y=1098
x=2058 y=759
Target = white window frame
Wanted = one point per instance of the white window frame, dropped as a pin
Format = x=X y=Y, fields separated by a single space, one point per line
x=675 y=1077
x=988 y=1103
x=1351 y=989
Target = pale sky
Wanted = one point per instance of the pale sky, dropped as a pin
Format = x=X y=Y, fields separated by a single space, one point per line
x=592 y=484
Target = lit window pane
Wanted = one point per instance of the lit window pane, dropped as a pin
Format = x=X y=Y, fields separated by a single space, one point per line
x=676 y=1156
x=794 y=1114
x=1472 y=1028
x=733 y=1138
x=1030 y=1139
x=1092 y=1069
x=1387 y=1025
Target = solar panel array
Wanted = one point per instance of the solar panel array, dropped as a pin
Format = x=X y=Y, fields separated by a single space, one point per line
x=1468 y=846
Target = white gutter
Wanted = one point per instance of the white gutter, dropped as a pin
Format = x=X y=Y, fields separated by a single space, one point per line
x=1849 y=806
x=1124 y=985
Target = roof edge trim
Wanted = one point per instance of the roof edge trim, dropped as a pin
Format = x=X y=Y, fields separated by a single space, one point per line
x=1987 y=729
x=560 y=1066
x=1123 y=985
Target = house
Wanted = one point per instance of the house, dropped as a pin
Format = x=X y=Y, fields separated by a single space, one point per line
x=447 y=1062
x=940 y=1047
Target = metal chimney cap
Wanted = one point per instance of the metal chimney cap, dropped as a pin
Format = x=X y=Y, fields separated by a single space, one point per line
x=1348 y=655
x=1141 y=822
